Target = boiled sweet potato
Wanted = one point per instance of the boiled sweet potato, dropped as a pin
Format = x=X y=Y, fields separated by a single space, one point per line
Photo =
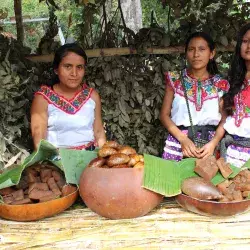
x=53 y=186
x=68 y=189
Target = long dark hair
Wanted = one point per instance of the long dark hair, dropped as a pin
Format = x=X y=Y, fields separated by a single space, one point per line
x=237 y=73
x=61 y=53
x=211 y=66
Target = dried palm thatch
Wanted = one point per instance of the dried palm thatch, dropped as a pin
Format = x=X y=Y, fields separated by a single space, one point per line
x=168 y=227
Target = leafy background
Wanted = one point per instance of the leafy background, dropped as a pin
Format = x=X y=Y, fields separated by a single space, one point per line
x=131 y=87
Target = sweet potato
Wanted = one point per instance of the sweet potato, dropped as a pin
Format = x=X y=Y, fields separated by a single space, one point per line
x=224 y=167
x=134 y=158
x=21 y=202
x=68 y=189
x=48 y=197
x=57 y=175
x=18 y=195
x=45 y=174
x=6 y=191
x=53 y=186
x=97 y=162
x=61 y=183
x=120 y=166
x=106 y=151
x=127 y=150
x=139 y=165
x=8 y=199
x=117 y=159
x=111 y=144
x=36 y=194
x=39 y=186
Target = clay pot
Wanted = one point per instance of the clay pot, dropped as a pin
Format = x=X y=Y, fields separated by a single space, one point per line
x=205 y=207
x=117 y=193
x=37 y=211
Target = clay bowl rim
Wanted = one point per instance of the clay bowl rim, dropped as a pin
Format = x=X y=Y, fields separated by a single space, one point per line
x=211 y=201
x=39 y=203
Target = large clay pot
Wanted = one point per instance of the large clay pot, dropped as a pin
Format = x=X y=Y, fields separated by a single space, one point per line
x=205 y=207
x=33 y=212
x=117 y=193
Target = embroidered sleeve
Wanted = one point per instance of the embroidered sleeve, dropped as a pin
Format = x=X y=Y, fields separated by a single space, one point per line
x=172 y=79
x=43 y=91
x=222 y=86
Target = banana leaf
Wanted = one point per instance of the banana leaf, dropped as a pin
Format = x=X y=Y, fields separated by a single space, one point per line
x=161 y=176
x=72 y=162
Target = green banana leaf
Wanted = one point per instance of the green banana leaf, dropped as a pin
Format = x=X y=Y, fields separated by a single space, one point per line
x=72 y=162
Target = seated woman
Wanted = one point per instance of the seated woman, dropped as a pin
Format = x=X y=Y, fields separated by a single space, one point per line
x=68 y=113
x=235 y=147
x=191 y=106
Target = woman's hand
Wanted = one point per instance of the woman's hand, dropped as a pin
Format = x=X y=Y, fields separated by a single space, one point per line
x=207 y=149
x=188 y=148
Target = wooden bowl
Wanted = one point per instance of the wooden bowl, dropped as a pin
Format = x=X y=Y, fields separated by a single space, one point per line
x=205 y=207
x=117 y=193
x=37 y=211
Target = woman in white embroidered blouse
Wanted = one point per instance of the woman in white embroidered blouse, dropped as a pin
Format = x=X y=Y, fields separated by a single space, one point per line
x=68 y=114
x=204 y=87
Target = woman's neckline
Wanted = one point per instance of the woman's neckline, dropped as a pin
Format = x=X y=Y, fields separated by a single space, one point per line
x=73 y=97
x=194 y=78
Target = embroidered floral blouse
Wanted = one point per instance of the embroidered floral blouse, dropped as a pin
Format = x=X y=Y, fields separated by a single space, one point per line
x=239 y=122
x=70 y=121
x=203 y=98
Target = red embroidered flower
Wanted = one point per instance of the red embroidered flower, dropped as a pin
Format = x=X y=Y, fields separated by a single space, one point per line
x=177 y=83
x=246 y=96
x=223 y=85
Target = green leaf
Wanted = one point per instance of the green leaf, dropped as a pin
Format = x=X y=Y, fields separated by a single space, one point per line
x=74 y=162
x=161 y=176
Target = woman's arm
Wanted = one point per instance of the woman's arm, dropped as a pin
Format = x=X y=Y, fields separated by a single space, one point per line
x=188 y=147
x=99 y=132
x=39 y=119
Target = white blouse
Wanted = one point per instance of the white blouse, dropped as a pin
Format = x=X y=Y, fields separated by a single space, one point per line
x=71 y=130
x=70 y=122
x=203 y=99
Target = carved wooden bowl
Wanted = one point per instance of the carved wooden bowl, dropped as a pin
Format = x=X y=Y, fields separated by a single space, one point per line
x=117 y=193
x=37 y=211
x=206 y=207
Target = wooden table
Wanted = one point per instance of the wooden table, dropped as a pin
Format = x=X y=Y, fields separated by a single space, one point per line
x=167 y=227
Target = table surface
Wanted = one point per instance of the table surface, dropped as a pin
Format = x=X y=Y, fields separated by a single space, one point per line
x=166 y=227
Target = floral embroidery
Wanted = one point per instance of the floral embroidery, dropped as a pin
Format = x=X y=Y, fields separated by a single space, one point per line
x=242 y=104
x=69 y=106
x=197 y=91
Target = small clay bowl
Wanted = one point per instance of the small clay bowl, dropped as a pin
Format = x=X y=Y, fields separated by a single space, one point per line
x=208 y=208
x=37 y=211
x=117 y=193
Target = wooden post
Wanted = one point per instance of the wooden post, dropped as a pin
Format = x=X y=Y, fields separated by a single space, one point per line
x=19 y=20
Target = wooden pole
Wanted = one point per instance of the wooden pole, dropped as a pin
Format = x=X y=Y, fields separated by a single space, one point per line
x=123 y=52
x=19 y=20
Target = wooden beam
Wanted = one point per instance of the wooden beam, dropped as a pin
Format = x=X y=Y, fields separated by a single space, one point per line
x=19 y=20
x=122 y=52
